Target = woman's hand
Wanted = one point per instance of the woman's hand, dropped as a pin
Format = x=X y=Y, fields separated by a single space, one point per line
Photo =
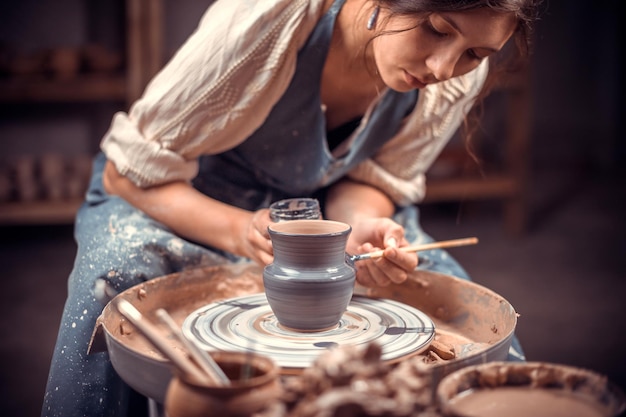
x=368 y=211
x=375 y=234
x=257 y=244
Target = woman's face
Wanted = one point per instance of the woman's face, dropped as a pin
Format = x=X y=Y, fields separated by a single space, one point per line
x=442 y=46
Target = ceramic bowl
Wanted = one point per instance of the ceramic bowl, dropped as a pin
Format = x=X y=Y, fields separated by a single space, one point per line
x=535 y=389
x=254 y=386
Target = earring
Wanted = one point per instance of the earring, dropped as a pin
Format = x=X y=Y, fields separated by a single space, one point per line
x=371 y=22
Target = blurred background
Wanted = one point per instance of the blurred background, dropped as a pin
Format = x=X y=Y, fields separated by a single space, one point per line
x=547 y=204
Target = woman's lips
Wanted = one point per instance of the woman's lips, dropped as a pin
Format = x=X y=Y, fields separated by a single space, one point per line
x=413 y=81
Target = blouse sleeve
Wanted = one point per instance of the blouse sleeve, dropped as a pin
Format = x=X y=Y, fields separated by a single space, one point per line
x=399 y=167
x=216 y=90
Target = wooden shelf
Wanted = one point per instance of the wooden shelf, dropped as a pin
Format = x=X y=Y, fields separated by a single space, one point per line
x=144 y=38
x=143 y=56
x=458 y=189
x=80 y=89
x=39 y=212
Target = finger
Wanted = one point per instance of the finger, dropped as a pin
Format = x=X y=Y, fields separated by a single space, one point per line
x=391 y=271
x=369 y=271
x=393 y=267
x=407 y=261
x=398 y=264
x=365 y=248
x=375 y=273
x=261 y=253
x=363 y=277
x=398 y=277
x=261 y=220
x=265 y=258
x=263 y=245
x=393 y=235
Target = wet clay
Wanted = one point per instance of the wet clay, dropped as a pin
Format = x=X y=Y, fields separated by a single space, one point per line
x=535 y=389
x=353 y=381
x=469 y=319
x=179 y=299
x=448 y=344
x=524 y=402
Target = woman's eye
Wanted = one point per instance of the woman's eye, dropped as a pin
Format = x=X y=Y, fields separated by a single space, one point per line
x=473 y=55
x=434 y=30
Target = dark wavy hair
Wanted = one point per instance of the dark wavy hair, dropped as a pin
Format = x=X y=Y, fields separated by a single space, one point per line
x=527 y=12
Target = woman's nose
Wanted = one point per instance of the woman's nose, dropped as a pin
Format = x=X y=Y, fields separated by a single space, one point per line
x=442 y=66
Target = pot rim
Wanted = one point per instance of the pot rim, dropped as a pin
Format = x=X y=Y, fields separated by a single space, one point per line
x=310 y=228
x=534 y=374
x=267 y=367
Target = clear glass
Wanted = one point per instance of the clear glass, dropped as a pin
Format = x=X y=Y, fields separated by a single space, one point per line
x=295 y=209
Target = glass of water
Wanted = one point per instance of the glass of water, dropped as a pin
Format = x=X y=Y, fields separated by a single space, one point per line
x=295 y=209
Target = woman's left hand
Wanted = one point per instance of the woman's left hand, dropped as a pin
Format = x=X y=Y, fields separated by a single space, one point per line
x=375 y=234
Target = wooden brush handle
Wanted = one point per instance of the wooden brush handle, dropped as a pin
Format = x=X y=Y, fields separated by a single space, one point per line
x=422 y=247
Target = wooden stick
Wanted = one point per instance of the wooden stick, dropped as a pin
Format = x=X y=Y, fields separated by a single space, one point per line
x=204 y=360
x=419 y=248
x=154 y=335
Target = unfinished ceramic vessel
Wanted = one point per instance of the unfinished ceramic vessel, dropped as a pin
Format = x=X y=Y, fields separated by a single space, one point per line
x=254 y=386
x=309 y=285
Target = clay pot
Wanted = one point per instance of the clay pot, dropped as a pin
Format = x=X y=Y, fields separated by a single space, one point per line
x=255 y=385
x=309 y=285
x=64 y=63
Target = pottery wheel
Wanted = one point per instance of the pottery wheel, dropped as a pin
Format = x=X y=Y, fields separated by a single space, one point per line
x=248 y=324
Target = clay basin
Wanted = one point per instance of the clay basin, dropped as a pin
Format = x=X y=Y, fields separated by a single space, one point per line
x=528 y=389
x=476 y=321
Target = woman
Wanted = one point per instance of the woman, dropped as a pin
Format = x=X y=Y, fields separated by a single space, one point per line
x=348 y=101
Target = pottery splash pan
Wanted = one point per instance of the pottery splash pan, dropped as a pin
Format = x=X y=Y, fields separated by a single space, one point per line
x=473 y=324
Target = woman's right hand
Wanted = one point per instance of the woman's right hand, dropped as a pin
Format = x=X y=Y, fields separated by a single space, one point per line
x=256 y=243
